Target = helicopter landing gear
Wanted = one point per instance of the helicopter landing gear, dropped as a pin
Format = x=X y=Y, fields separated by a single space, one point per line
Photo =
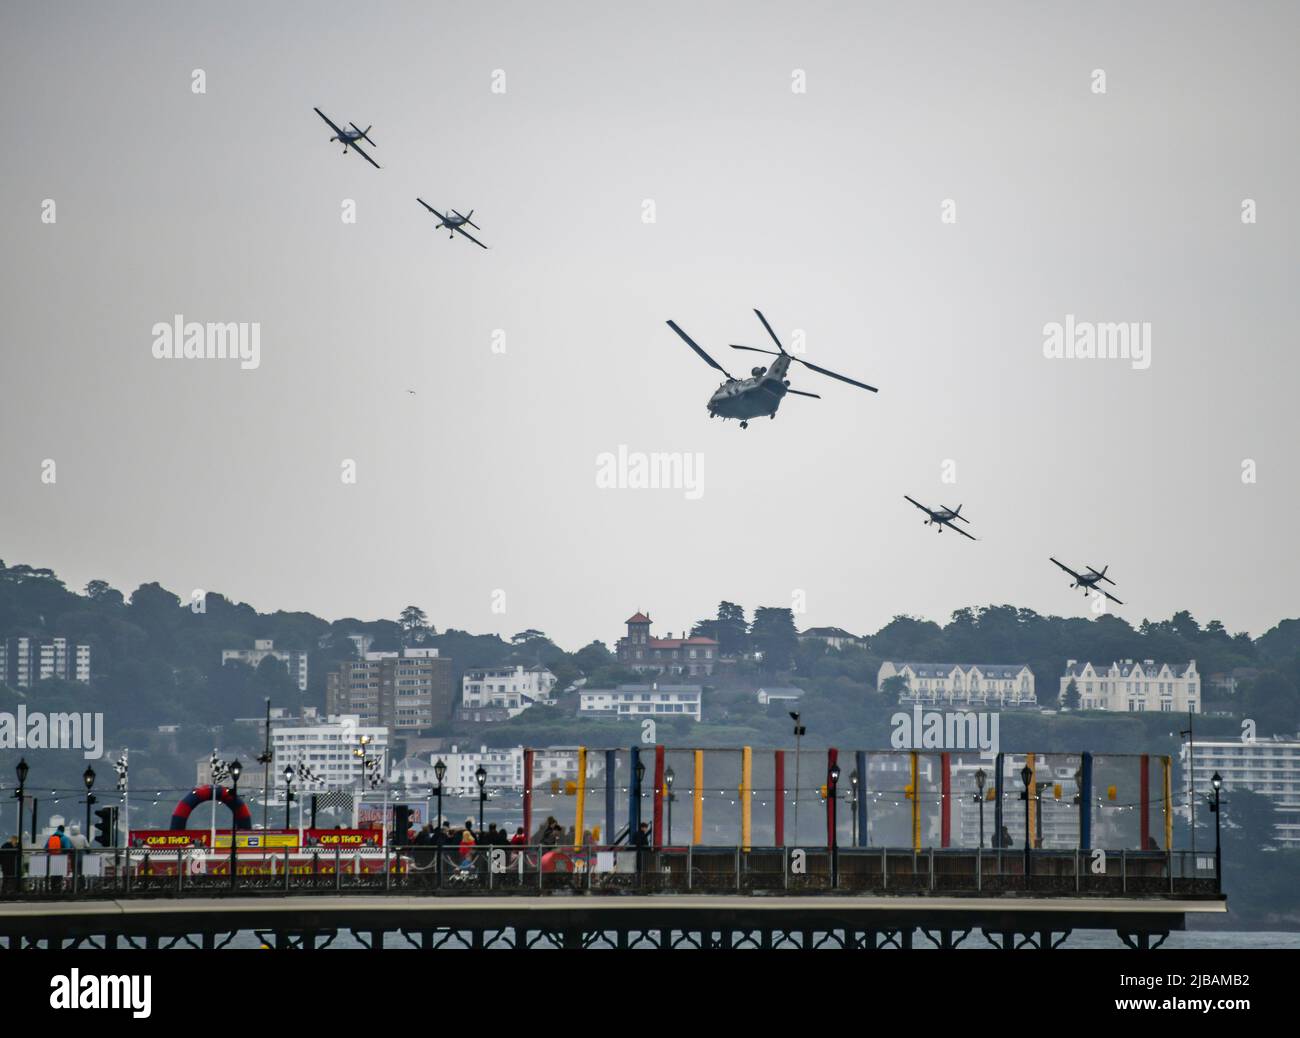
x=744 y=425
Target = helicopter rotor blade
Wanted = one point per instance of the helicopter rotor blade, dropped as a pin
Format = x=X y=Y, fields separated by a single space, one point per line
x=832 y=374
x=755 y=349
x=800 y=392
x=698 y=349
x=769 y=330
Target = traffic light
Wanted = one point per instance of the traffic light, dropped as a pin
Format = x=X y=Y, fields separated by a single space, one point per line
x=401 y=824
x=106 y=827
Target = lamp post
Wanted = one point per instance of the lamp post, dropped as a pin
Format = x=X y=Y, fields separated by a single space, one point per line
x=640 y=778
x=440 y=772
x=1027 y=777
x=832 y=798
x=21 y=770
x=480 y=776
x=288 y=792
x=853 y=802
x=236 y=769
x=668 y=782
x=980 y=778
x=799 y=732
x=1217 y=782
x=88 y=777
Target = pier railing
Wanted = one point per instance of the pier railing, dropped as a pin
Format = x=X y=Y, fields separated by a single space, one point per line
x=533 y=870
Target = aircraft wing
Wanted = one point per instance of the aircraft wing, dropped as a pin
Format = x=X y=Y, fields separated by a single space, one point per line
x=432 y=209
x=918 y=504
x=1068 y=570
x=1109 y=595
x=471 y=237
x=328 y=120
x=953 y=526
x=357 y=148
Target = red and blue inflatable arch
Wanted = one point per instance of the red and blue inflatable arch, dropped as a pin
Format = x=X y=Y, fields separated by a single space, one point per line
x=201 y=795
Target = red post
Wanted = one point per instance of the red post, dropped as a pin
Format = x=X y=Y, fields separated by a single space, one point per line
x=659 y=797
x=946 y=790
x=779 y=794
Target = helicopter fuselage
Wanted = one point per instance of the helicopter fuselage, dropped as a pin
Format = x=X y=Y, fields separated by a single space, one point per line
x=754 y=397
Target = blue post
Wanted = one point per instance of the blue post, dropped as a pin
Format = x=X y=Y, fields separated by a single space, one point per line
x=1085 y=803
x=611 y=761
x=633 y=799
x=861 y=764
x=998 y=770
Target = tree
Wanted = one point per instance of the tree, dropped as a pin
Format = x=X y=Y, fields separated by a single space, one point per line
x=732 y=631
x=101 y=592
x=774 y=636
x=1072 y=698
x=413 y=624
x=894 y=686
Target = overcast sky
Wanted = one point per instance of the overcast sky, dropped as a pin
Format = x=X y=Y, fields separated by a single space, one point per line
x=822 y=208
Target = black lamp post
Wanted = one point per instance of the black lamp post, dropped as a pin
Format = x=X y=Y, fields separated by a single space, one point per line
x=88 y=777
x=440 y=771
x=480 y=776
x=1217 y=782
x=799 y=732
x=668 y=783
x=832 y=798
x=853 y=802
x=236 y=769
x=22 y=770
x=979 y=797
x=1027 y=776
x=288 y=793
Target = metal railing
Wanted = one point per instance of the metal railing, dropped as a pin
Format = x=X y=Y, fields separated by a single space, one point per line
x=513 y=869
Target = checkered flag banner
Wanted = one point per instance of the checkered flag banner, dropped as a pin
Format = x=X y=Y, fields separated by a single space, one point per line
x=374 y=772
x=305 y=774
x=340 y=798
x=220 y=768
x=122 y=769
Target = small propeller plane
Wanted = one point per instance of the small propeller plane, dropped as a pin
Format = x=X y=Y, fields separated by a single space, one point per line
x=350 y=137
x=455 y=223
x=1089 y=581
x=943 y=516
x=760 y=394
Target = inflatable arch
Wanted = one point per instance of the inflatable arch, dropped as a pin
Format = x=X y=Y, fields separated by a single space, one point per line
x=201 y=795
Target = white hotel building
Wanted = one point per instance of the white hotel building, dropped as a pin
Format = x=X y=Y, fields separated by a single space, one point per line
x=513 y=689
x=1134 y=686
x=653 y=700
x=294 y=660
x=1268 y=766
x=504 y=767
x=962 y=684
x=326 y=748
x=25 y=661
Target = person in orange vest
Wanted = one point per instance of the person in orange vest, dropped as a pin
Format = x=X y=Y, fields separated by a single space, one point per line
x=57 y=844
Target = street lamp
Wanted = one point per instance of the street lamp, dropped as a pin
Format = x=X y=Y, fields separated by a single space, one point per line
x=22 y=770
x=236 y=769
x=440 y=771
x=288 y=792
x=88 y=777
x=480 y=776
x=853 y=802
x=980 y=778
x=1027 y=776
x=1217 y=782
x=799 y=732
x=832 y=799
x=668 y=782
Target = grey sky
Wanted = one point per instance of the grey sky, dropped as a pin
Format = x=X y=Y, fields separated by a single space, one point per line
x=822 y=209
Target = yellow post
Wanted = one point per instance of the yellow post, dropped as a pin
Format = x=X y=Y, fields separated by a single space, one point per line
x=746 y=782
x=1169 y=814
x=916 y=801
x=582 y=797
x=697 y=796
x=1033 y=804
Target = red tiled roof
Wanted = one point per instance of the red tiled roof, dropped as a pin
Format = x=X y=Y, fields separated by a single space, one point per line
x=677 y=643
x=639 y=618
